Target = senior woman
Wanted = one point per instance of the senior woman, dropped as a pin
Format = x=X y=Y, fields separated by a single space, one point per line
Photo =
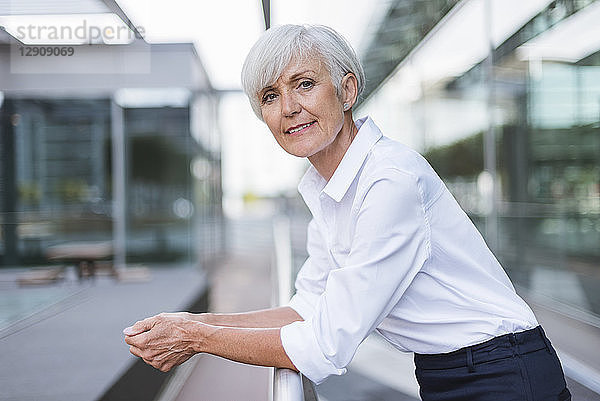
x=389 y=250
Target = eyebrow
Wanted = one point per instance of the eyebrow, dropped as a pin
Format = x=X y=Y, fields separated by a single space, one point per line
x=298 y=74
x=294 y=77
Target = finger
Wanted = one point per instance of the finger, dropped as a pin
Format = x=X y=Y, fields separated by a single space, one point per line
x=135 y=351
x=139 y=340
x=163 y=366
x=139 y=327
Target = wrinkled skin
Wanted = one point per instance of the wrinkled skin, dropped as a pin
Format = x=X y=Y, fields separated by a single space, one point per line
x=164 y=341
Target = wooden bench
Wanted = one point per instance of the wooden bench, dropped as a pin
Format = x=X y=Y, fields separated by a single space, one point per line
x=85 y=256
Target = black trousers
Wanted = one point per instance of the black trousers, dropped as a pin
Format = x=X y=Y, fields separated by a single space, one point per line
x=512 y=367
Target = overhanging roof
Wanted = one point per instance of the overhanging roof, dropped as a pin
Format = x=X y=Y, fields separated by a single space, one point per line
x=64 y=7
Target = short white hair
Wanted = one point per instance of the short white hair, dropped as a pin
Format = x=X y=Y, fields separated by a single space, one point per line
x=274 y=50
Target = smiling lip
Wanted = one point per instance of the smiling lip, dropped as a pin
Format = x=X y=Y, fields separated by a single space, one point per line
x=299 y=128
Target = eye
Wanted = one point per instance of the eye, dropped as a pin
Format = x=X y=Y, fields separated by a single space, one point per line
x=306 y=84
x=268 y=97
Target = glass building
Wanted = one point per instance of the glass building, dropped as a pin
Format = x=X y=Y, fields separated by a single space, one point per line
x=123 y=146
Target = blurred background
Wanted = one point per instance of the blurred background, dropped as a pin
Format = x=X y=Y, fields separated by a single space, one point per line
x=135 y=179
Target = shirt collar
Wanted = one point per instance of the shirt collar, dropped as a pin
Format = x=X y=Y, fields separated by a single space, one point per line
x=368 y=134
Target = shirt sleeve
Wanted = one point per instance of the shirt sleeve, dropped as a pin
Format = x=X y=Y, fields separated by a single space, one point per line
x=311 y=279
x=390 y=244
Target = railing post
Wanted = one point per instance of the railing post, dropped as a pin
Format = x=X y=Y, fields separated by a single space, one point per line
x=287 y=384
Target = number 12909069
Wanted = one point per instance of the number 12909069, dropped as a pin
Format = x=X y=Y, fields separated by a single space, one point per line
x=46 y=51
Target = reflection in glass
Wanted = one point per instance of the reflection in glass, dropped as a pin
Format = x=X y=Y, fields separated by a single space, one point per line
x=545 y=116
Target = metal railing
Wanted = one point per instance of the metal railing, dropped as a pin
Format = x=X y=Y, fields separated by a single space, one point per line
x=288 y=385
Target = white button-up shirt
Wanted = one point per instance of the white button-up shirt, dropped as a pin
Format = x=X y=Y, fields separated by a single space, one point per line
x=391 y=250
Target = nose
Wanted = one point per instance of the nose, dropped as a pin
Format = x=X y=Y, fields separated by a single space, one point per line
x=289 y=105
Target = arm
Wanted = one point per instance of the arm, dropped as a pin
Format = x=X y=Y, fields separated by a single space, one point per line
x=253 y=346
x=167 y=340
x=266 y=318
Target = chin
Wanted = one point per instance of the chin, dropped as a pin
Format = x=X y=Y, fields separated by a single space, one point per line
x=298 y=153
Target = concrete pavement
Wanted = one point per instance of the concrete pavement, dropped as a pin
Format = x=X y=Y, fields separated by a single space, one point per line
x=74 y=349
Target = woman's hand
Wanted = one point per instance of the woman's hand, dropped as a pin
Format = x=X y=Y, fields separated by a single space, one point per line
x=164 y=341
x=169 y=339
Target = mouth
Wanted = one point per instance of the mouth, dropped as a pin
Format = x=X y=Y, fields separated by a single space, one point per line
x=299 y=128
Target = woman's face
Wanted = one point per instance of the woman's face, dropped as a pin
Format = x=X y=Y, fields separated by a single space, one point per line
x=302 y=109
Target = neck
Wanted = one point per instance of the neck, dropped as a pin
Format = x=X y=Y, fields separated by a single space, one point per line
x=327 y=160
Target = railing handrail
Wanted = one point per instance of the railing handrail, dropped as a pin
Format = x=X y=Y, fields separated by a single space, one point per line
x=287 y=384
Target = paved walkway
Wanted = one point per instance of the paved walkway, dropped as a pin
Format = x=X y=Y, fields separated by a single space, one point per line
x=71 y=348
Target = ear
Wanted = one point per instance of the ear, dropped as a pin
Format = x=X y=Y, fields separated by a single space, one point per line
x=349 y=89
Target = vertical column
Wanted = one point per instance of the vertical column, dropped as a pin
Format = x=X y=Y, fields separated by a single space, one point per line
x=222 y=244
x=97 y=152
x=118 y=184
x=489 y=138
x=40 y=142
x=9 y=186
x=266 y=6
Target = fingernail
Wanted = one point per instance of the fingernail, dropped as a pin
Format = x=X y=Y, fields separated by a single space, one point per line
x=128 y=331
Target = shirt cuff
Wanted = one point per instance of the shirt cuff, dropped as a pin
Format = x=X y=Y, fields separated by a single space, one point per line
x=301 y=346
x=302 y=306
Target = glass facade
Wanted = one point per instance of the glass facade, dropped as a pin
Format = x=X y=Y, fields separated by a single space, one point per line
x=506 y=107
x=56 y=177
x=57 y=180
